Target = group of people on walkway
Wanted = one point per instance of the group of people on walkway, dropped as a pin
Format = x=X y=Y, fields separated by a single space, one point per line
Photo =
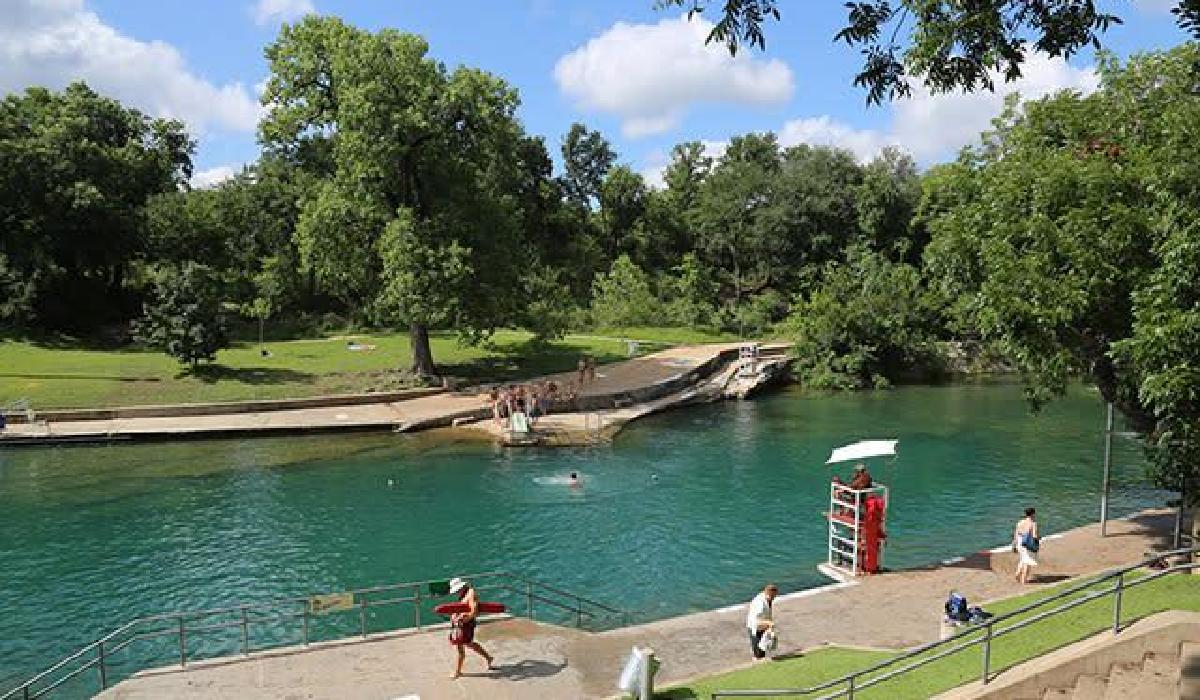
x=525 y=403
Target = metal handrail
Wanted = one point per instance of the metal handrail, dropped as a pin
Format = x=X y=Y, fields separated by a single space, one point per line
x=865 y=678
x=95 y=655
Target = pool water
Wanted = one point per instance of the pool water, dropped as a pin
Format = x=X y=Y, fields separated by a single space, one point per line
x=687 y=510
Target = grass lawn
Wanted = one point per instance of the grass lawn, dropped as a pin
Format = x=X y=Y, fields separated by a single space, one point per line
x=1174 y=592
x=66 y=375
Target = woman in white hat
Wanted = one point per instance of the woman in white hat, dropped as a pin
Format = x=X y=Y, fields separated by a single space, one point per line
x=462 y=631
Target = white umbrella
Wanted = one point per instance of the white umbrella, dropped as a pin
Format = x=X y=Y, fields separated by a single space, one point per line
x=864 y=449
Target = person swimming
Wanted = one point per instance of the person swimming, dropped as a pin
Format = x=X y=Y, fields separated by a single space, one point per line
x=573 y=480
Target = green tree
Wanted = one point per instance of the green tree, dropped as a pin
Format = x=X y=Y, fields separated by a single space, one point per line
x=1068 y=236
x=587 y=157
x=183 y=315
x=623 y=297
x=622 y=206
x=864 y=326
x=886 y=201
x=76 y=170
x=948 y=45
x=415 y=220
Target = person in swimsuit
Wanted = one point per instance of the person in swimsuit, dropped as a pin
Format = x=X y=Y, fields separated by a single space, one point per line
x=462 y=630
x=1025 y=559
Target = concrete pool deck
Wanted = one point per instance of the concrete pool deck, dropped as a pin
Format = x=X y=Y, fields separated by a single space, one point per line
x=618 y=387
x=893 y=610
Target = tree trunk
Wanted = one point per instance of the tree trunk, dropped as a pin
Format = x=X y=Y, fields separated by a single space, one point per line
x=422 y=364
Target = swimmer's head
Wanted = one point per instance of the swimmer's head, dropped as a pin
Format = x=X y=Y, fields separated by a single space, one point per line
x=574 y=475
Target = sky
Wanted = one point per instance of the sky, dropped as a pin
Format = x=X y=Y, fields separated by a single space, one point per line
x=643 y=77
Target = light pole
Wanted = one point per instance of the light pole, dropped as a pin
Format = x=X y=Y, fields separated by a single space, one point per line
x=1108 y=430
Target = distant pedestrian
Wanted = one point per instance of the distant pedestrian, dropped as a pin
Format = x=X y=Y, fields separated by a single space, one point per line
x=759 y=619
x=1026 y=542
x=591 y=370
x=583 y=368
x=462 y=630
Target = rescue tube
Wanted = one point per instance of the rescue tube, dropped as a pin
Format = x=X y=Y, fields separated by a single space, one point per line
x=452 y=608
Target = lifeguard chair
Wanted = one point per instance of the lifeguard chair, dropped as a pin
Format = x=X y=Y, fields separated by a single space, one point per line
x=857 y=517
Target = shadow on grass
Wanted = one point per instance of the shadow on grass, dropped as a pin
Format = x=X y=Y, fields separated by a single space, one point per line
x=100 y=377
x=211 y=374
x=526 y=359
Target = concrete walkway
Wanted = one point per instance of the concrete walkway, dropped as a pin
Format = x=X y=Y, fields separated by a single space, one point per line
x=437 y=410
x=893 y=610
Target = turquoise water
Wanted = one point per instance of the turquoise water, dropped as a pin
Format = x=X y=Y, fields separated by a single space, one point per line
x=688 y=510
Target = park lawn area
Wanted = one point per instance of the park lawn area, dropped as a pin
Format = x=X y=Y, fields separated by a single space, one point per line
x=1172 y=592
x=63 y=374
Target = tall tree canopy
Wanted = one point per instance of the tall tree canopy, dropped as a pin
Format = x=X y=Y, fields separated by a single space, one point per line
x=945 y=45
x=415 y=220
x=1067 y=236
x=76 y=170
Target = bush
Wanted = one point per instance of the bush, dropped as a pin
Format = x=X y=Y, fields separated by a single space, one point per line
x=863 y=326
x=623 y=297
x=183 y=317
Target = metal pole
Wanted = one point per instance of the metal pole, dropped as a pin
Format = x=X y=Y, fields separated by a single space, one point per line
x=1117 y=603
x=578 y=612
x=362 y=616
x=529 y=595
x=103 y=671
x=1108 y=431
x=850 y=689
x=182 y=643
x=245 y=631
x=987 y=653
x=1178 y=536
x=646 y=675
x=306 y=624
x=417 y=605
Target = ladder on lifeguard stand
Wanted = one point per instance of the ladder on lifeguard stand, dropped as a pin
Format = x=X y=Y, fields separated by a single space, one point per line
x=848 y=539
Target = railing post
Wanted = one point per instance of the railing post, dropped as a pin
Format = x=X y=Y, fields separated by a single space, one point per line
x=245 y=631
x=987 y=653
x=578 y=612
x=306 y=624
x=182 y=643
x=850 y=688
x=362 y=616
x=103 y=671
x=417 y=605
x=529 y=596
x=1120 y=589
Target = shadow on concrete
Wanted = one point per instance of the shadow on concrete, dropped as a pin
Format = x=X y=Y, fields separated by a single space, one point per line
x=524 y=670
x=1189 y=671
x=1050 y=578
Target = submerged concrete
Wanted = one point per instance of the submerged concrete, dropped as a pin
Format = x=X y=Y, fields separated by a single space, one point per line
x=894 y=610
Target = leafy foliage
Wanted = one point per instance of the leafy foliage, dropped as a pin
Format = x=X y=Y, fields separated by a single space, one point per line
x=863 y=326
x=949 y=46
x=75 y=171
x=183 y=316
x=623 y=297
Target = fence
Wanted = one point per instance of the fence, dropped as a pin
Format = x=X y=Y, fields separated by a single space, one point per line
x=846 y=686
x=183 y=637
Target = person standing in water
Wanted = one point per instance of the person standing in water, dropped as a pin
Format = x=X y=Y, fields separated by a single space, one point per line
x=1026 y=541
x=462 y=630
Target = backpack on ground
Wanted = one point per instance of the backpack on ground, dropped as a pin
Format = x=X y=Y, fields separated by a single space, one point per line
x=956 y=608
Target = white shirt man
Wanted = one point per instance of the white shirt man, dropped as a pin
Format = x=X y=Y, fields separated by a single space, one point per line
x=758 y=617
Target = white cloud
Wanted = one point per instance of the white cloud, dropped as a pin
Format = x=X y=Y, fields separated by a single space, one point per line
x=934 y=127
x=649 y=74
x=55 y=42
x=268 y=11
x=214 y=176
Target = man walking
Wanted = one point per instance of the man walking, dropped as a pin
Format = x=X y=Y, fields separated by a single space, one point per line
x=758 y=618
x=462 y=631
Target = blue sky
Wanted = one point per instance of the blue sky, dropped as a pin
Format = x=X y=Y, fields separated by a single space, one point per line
x=641 y=76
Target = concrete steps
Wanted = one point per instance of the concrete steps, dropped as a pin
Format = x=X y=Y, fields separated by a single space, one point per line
x=1157 y=677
